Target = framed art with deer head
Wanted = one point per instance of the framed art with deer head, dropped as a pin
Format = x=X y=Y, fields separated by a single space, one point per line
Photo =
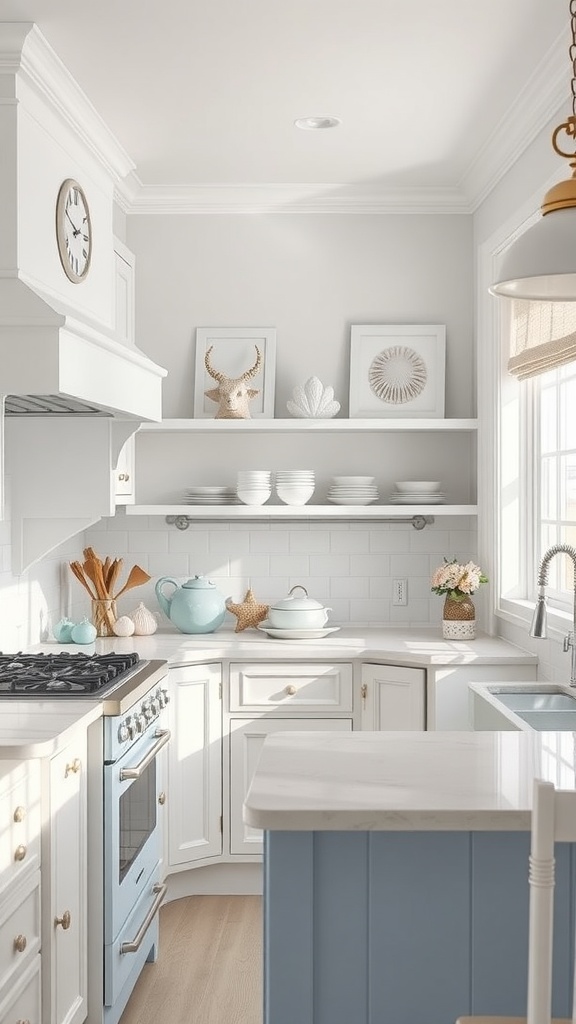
x=235 y=373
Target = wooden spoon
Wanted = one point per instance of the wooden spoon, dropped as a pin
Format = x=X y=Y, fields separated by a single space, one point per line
x=80 y=575
x=136 y=577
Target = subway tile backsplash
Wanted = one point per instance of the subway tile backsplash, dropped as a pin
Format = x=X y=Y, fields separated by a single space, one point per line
x=347 y=565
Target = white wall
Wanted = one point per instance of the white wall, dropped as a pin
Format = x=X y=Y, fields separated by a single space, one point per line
x=310 y=277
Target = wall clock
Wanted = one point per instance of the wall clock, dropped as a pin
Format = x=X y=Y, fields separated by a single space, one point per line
x=73 y=230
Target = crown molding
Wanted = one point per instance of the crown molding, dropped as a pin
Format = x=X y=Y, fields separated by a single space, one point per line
x=25 y=53
x=135 y=198
x=537 y=103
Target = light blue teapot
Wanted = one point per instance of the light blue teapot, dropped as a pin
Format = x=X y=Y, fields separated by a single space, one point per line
x=195 y=607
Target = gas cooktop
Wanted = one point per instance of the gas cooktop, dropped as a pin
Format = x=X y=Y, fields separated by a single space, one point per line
x=63 y=674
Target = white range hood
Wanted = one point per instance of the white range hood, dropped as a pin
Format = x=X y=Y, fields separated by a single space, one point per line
x=53 y=363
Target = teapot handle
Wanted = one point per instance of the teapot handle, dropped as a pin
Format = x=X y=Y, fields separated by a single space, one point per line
x=298 y=586
x=164 y=601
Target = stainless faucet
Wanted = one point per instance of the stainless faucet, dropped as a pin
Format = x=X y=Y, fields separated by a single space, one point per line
x=538 y=627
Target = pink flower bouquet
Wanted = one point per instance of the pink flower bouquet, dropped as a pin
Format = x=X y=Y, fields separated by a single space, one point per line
x=457 y=581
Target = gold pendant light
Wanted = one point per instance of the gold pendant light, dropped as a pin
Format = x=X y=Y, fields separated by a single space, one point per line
x=541 y=264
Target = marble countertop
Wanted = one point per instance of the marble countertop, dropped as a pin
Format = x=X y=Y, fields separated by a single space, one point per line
x=417 y=647
x=404 y=781
x=37 y=728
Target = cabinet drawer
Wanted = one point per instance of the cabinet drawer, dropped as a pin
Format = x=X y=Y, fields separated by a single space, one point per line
x=293 y=686
x=20 y=822
x=22 y=1001
x=19 y=931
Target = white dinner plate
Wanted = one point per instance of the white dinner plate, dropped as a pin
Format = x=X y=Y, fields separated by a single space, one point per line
x=297 y=634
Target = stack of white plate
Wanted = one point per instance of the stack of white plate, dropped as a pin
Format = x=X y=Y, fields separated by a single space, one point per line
x=353 y=490
x=418 y=492
x=295 y=486
x=210 y=496
x=254 y=486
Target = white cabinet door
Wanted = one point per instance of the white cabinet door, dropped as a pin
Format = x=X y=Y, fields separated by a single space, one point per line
x=194 y=798
x=64 y=887
x=393 y=698
x=246 y=739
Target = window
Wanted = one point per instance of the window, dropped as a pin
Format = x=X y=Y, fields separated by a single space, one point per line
x=555 y=456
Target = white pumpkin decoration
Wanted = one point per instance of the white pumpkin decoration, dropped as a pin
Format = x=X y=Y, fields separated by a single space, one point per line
x=123 y=626
x=144 y=621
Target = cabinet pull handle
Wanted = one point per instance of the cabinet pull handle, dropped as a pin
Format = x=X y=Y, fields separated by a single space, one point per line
x=133 y=947
x=19 y=813
x=20 y=852
x=20 y=943
x=75 y=766
x=162 y=799
x=290 y=690
x=65 y=920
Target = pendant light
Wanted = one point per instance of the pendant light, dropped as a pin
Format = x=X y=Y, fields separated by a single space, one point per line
x=541 y=264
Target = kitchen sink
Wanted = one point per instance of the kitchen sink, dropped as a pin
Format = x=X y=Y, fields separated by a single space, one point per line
x=537 y=702
x=549 y=721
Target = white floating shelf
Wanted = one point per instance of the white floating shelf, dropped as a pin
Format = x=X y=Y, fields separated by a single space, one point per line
x=310 y=425
x=211 y=512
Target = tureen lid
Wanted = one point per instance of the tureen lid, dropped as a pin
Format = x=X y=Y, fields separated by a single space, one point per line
x=296 y=602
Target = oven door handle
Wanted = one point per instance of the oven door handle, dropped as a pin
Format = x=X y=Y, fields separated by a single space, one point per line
x=135 y=773
x=134 y=946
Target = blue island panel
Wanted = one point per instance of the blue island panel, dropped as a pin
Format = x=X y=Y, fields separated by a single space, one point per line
x=403 y=927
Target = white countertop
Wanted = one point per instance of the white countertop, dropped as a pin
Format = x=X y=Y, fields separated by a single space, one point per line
x=418 y=647
x=37 y=728
x=404 y=781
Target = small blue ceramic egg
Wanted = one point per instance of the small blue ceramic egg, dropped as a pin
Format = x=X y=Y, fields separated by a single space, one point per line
x=63 y=631
x=84 y=633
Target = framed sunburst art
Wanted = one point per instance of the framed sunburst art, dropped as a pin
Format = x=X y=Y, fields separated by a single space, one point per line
x=397 y=370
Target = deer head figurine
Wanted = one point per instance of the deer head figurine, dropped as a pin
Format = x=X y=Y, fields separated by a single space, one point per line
x=232 y=394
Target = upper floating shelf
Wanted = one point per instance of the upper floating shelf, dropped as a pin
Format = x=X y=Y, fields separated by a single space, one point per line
x=326 y=426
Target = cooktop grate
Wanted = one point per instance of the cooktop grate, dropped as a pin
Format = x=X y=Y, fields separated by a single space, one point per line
x=61 y=674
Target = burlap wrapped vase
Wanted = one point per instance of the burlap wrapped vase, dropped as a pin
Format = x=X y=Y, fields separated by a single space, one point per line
x=459 y=619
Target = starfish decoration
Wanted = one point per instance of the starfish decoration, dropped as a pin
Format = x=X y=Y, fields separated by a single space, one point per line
x=249 y=612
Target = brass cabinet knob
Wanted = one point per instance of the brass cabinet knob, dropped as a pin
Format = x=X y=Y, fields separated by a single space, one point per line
x=162 y=799
x=65 y=920
x=20 y=852
x=290 y=690
x=74 y=767
x=20 y=943
x=19 y=813
x=124 y=476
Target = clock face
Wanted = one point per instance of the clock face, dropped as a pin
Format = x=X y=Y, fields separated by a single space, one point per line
x=73 y=231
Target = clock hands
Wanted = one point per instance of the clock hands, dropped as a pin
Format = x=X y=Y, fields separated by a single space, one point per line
x=75 y=229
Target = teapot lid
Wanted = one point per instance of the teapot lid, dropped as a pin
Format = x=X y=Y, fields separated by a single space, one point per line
x=297 y=603
x=198 y=583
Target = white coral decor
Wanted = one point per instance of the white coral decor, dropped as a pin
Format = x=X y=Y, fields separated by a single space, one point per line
x=313 y=400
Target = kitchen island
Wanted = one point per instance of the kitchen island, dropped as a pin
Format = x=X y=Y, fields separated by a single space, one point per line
x=396 y=873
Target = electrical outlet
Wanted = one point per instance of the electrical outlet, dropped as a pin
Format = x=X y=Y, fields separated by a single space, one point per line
x=400 y=592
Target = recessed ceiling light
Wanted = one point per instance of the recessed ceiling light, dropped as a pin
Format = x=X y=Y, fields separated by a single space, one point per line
x=314 y=124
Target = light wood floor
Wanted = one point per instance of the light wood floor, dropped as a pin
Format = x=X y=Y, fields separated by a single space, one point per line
x=210 y=966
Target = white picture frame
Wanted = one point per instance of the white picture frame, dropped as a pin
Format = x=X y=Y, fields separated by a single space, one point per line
x=234 y=352
x=397 y=370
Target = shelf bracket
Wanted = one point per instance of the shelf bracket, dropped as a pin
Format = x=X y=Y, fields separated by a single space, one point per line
x=418 y=522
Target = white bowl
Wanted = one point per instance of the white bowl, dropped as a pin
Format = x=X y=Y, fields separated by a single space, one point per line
x=254 y=495
x=353 y=481
x=294 y=495
x=423 y=486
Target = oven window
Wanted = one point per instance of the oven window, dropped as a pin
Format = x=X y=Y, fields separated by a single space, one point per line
x=137 y=817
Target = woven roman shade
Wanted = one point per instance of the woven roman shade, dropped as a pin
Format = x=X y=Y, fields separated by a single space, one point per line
x=542 y=336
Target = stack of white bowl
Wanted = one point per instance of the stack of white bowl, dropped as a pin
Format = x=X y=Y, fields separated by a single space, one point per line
x=353 y=490
x=254 y=486
x=295 y=486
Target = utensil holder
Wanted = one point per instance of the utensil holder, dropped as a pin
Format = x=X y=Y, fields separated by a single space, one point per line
x=104 y=616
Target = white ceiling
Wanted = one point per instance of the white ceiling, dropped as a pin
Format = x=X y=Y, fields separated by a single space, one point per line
x=204 y=95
